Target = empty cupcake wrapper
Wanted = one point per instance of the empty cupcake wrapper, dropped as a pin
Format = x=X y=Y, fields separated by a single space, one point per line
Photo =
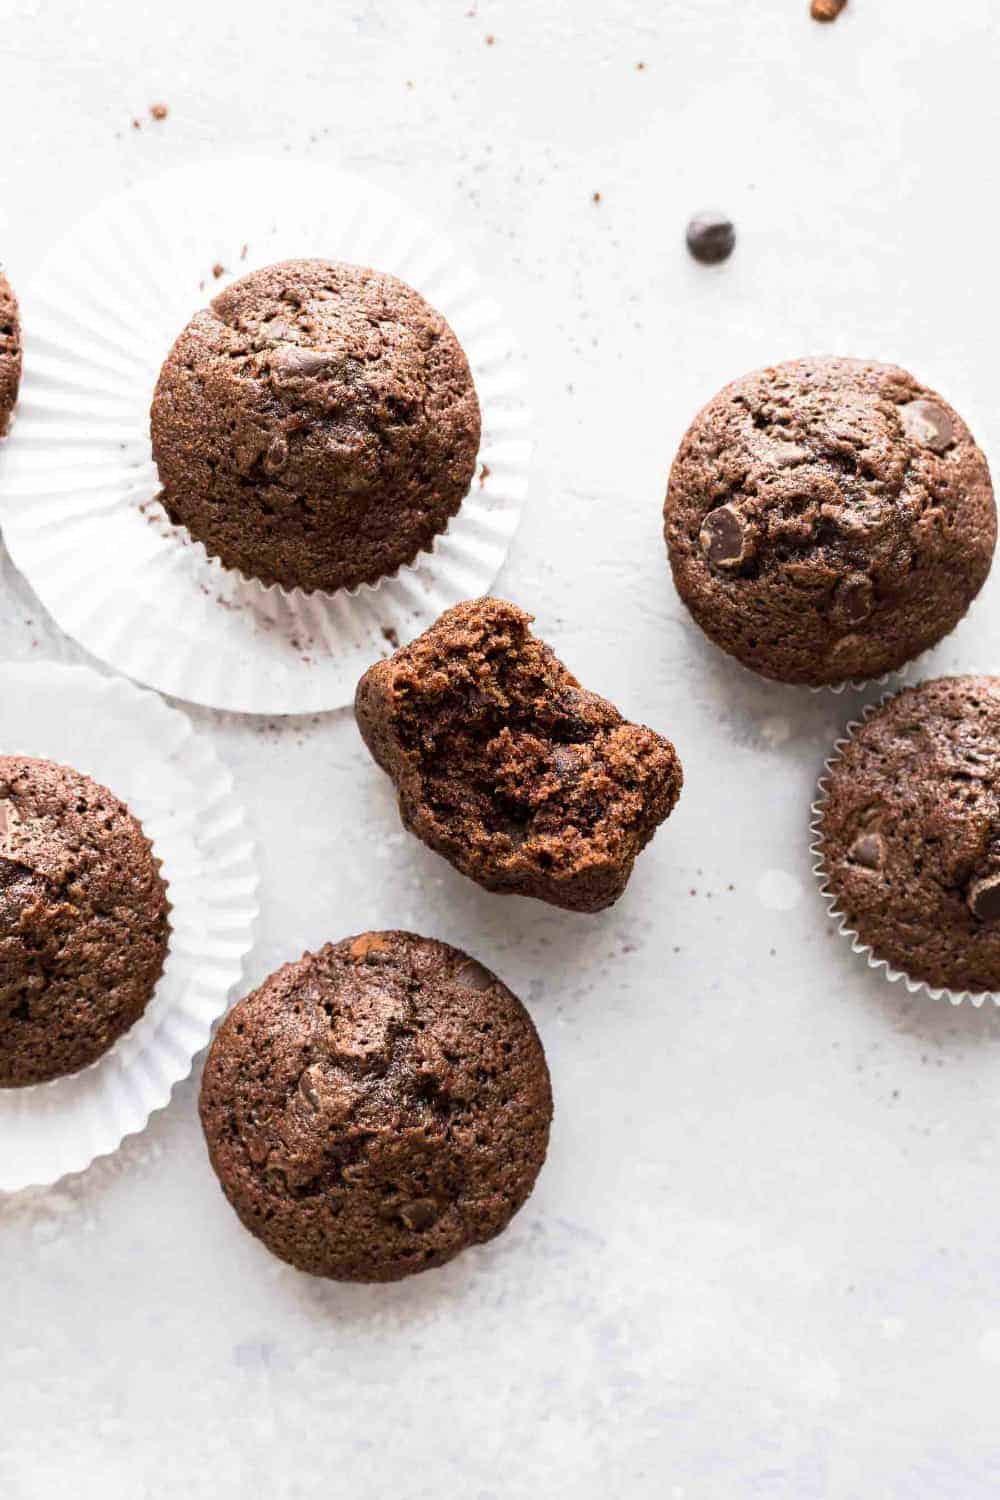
x=148 y=755
x=78 y=492
x=915 y=986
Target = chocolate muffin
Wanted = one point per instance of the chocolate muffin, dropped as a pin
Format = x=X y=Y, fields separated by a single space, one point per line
x=503 y=763
x=376 y=1107
x=10 y=352
x=909 y=833
x=828 y=519
x=316 y=426
x=83 y=920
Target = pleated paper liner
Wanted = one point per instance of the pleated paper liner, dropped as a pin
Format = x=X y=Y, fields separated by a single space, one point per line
x=915 y=986
x=149 y=756
x=78 y=486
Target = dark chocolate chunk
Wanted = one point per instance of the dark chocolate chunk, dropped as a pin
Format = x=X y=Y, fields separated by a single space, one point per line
x=868 y=850
x=725 y=540
x=856 y=598
x=928 y=425
x=420 y=1214
x=473 y=976
x=984 y=898
x=711 y=238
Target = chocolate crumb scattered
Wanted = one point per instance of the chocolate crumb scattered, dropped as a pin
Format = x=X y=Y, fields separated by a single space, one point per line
x=711 y=238
x=390 y=635
x=595 y=197
x=158 y=111
x=484 y=474
x=826 y=10
x=218 y=269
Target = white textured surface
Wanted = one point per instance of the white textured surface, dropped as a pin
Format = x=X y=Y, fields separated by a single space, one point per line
x=762 y=1260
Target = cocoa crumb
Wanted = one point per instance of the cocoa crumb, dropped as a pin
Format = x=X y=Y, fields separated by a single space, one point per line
x=490 y=41
x=640 y=67
x=484 y=474
x=826 y=10
x=136 y=124
x=595 y=197
x=158 y=111
x=243 y=251
x=390 y=635
x=218 y=269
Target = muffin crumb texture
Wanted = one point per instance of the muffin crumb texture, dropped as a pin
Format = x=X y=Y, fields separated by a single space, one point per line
x=504 y=764
x=377 y=1107
x=10 y=352
x=83 y=921
x=316 y=427
x=827 y=520
x=910 y=833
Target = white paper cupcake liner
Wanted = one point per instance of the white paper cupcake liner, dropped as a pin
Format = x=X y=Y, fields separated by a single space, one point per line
x=149 y=756
x=78 y=485
x=915 y=986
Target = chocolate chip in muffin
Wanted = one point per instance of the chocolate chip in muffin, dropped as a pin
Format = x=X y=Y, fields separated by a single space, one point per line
x=828 y=520
x=370 y=1112
x=909 y=833
x=83 y=921
x=10 y=352
x=316 y=427
x=523 y=780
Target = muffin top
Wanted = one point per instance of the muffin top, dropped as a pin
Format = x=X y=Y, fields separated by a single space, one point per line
x=910 y=833
x=524 y=780
x=83 y=920
x=10 y=352
x=828 y=519
x=316 y=426
x=376 y=1107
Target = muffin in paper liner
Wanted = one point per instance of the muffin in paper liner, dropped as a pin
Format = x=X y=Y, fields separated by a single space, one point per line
x=78 y=487
x=147 y=754
x=976 y=998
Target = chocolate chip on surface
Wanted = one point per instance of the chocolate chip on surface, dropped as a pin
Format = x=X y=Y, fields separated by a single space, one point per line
x=928 y=425
x=473 y=976
x=725 y=539
x=711 y=238
x=984 y=898
x=856 y=598
x=868 y=851
x=420 y=1214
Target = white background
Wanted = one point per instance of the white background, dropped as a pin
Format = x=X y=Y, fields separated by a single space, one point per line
x=764 y=1256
